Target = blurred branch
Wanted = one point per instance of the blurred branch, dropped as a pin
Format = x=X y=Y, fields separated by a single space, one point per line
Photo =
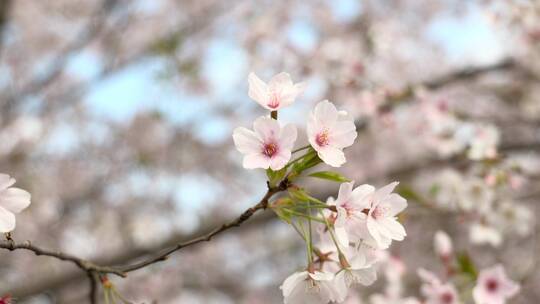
x=92 y=269
x=5 y=7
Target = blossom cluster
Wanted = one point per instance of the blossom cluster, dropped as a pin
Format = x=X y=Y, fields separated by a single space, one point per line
x=354 y=229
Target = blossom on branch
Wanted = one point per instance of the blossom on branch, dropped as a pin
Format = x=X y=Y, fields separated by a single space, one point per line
x=494 y=287
x=329 y=131
x=12 y=200
x=309 y=287
x=268 y=146
x=278 y=93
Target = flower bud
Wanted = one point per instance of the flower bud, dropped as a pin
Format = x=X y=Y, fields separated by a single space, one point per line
x=443 y=244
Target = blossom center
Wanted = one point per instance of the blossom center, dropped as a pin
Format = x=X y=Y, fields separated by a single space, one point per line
x=322 y=138
x=270 y=149
x=274 y=100
x=379 y=211
x=447 y=298
x=492 y=285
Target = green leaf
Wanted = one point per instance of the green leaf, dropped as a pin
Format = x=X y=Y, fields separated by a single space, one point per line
x=329 y=175
x=310 y=160
x=466 y=265
x=275 y=177
x=298 y=194
x=280 y=208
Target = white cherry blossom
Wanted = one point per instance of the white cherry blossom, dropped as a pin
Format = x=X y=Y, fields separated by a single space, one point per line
x=359 y=269
x=329 y=131
x=350 y=205
x=12 y=200
x=382 y=223
x=268 y=146
x=494 y=287
x=305 y=287
x=278 y=93
x=435 y=291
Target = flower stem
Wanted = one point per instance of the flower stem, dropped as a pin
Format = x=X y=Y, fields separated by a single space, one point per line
x=273 y=114
x=310 y=239
x=332 y=235
x=300 y=149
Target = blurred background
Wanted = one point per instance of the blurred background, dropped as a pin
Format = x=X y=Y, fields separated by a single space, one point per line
x=117 y=116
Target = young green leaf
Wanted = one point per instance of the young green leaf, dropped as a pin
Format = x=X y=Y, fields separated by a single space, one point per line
x=329 y=175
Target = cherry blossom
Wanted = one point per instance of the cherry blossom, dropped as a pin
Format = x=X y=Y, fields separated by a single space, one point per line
x=494 y=287
x=309 y=287
x=382 y=223
x=278 y=93
x=329 y=131
x=268 y=146
x=12 y=200
x=357 y=269
x=350 y=205
x=435 y=291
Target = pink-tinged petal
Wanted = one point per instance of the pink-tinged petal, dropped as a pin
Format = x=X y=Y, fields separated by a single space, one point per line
x=365 y=276
x=321 y=276
x=394 y=228
x=14 y=199
x=290 y=93
x=396 y=204
x=332 y=156
x=288 y=137
x=341 y=287
x=279 y=161
x=258 y=90
x=6 y=181
x=267 y=129
x=292 y=281
x=384 y=192
x=7 y=221
x=360 y=196
x=280 y=81
x=326 y=113
x=343 y=134
x=246 y=141
x=373 y=228
x=341 y=235
x=345 y=190
x=254 y=161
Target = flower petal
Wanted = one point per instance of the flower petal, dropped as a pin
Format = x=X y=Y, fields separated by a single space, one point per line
x=326 y=113
x=288 y=137
x=246 y=141
x=7 y=220
x=267 y=129
x=6 y=181
x=253 y=161
x=14 y=199
x=258 y=90
x=332 y=156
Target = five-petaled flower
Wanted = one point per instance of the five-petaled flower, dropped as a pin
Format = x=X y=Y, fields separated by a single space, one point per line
x=382 y=223
x=12 y=200
x=268 y=146
x=493 y=286
x=329 y=131
x=351 y=218
x=278 y=93
x=309 y=287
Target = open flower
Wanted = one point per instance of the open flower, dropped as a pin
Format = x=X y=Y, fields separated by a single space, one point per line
x=435 y=291
x=350 y=205
x=493 y=286
x=12 y=200
x=305 y=287
x=329 y=131
x=268 y=146
x=279 y=92
x=382 y=223
x=356 y=269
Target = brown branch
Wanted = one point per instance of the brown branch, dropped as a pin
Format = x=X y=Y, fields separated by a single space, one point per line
x=263 y=204
x=83 y=264
x=93 y=269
